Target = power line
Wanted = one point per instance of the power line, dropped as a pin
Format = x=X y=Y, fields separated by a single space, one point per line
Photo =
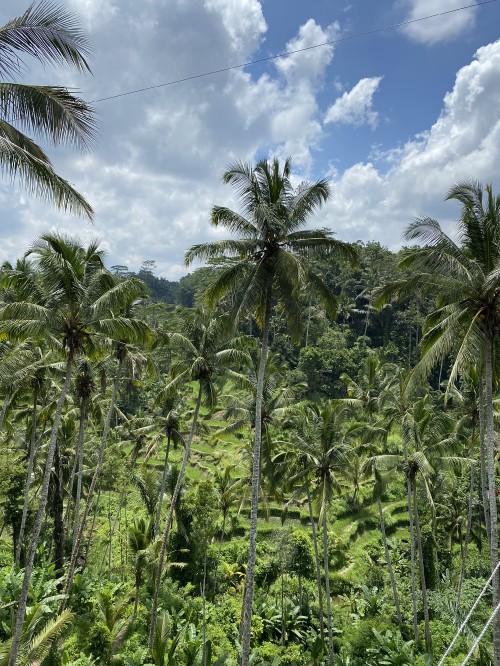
x=288 y=53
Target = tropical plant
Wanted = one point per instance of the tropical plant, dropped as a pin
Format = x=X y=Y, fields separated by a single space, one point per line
x=321 y=439
x=53 y=36
x=202 y=353
x=78 y=307
x=38 y=632
x=269 y=261
x=465 y=276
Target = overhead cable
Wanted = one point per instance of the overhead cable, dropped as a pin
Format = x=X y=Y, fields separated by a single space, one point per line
x=289 y=53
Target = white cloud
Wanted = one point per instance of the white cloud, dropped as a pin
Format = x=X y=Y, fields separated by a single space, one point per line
x=243 y=20
x=441 y=28
x=464 y=143
x=308 y=66
x=355 y=106
x=156 y=171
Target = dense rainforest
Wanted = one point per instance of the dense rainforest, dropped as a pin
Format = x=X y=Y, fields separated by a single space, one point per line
x=128 y=425
x=289 y=457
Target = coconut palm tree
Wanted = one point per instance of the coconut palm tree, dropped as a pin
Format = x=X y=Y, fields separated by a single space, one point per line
x=169 y=423
x=77 y=307
x=139 y=540
x=321 y=440
x=278 y=400
x=202 y=354
x=229 y=490
x=269 y=262
x=123 y=354
x=465 y=276
x=53 y=36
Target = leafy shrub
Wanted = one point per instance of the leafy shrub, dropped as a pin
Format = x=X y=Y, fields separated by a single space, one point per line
x=99 y=641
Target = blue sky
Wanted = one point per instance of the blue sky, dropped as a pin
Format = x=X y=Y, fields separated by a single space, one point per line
x=393 y=119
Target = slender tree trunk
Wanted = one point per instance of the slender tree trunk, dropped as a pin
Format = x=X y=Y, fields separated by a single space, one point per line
x=92 y=528
x=162 y=487
x=138 y=577
x=57 y=499
x=121 y=504
x=29 y=474
x=283 y=624
x=204 y=612
x=425 y=602
x=389 y=560
x=327 y=590
x=69 y=508
x=170 y=517
x=490 y=455
x=482 y=453
x=35 y=534
x=216 y=574
x=308 y=320
x=90 y=495
x=465 y=544
x=412 y=558
x=318 y=567
x=79 y=478
x=246 y=623
x=367 y=319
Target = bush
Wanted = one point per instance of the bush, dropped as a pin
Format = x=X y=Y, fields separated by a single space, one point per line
x=339 y=585
x=270 y=653
x=361 y=638
x=99 y=641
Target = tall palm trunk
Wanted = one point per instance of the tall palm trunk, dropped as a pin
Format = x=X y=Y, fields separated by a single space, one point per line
x=482 y=453
x=490 y=455
x=412 y=559
x=162 y=486
x=29 y=474
x=219 y=550
x=170 y=517
x=465 y=544
x=37 y=526
x=327 y=590
x=79 y=471
x=246 y=623
x=389 y=560
x=57 y=509
x=318 y=567
x=90 y=495
x=423 y=586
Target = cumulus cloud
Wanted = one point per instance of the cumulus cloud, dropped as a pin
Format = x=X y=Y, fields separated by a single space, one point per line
x=243 y=21
x=355 y=107
x=156 y=172
x=464 y=143
x=441 y=28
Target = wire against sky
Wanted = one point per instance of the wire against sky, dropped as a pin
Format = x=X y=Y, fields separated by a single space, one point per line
x=284 y=55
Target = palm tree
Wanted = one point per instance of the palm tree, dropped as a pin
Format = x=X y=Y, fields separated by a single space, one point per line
x=278 y=400
x=204 y=351
x=53 y=36
x=427 y=440
x=84 y=386
x=321 y=440
x=139 y=539
x=465 y=276
x=269 y=261
x=123 y=354
x=77 y=301
x=230 y=490
x=38 y=633
x=169 y=423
